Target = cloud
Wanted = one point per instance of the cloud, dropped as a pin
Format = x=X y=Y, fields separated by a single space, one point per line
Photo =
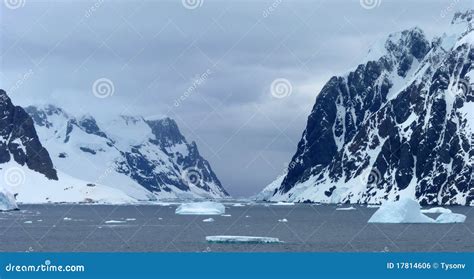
x=154 y=51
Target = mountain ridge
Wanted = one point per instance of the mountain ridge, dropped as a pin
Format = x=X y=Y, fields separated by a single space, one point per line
x=141 y=156
x=383 y=130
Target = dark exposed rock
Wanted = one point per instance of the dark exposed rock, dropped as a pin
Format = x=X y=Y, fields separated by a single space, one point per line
x=414 y=138
x=19 y=141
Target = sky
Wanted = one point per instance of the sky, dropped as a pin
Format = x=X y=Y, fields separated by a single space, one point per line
x=239 y=77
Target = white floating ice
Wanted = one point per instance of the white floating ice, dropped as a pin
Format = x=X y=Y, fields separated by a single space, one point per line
x=403 y=211
x=345 y=208
x=7 y=200
x=436 y=210
x=284 y=203
x=284 y=220
x=201 y=208
x=226 y=215
x=130 y=219
x=67 y=219
x=115 y=222
x=238 y=205
x=241 y=239
x=449 y=217
x=208 y=220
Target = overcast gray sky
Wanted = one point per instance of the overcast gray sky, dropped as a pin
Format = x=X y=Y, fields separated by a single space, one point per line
x=154 y=52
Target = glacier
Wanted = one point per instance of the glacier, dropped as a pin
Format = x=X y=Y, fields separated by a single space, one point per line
x=7 y=200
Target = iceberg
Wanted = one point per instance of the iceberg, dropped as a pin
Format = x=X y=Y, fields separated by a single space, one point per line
x=7 y=201
x=436 y=210
x=404 y=210
x=241 y=239
x=448 y=217
x=201 y=208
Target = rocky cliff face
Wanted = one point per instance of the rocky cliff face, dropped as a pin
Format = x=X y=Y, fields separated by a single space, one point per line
x=400 y=124
x=19 y=141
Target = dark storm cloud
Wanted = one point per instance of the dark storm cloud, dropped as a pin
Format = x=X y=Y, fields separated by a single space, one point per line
x=155 y=51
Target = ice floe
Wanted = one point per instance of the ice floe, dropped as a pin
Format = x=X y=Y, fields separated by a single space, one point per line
x=208 y=220
x=284 y=203
x=345 y=208
x=241 y=239
x=449 y=217
x=115 y=222
x=201 y=208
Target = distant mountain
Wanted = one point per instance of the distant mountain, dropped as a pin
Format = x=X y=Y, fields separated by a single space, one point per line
x=144 y=158
x=27 y=171
x=400 y=124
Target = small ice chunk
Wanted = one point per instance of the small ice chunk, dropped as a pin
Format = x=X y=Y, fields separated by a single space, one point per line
x=284 y=220
x=241 y=239
x=201 y=208
x=208 y=220
x=28 y=222
x=238 y=205
x=159 y=218
x=67 y=219
x=284 y=203
x=114 y=222
x=404 y=210
x=163 y=203
x=130 y=219
x=226 y=215
x=449 y=217
x=345 y=208
x=247 y=216
x=436 y=210
x=7 y=200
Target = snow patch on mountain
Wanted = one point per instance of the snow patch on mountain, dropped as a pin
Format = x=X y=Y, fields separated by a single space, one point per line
x=147 y=159
x=397 y=126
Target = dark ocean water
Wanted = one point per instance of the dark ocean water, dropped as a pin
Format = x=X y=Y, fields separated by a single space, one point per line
x=156 y=228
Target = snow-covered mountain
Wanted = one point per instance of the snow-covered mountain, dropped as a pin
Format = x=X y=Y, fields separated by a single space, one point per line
x=400 y=125
x=27 y=171
x=144 y=158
